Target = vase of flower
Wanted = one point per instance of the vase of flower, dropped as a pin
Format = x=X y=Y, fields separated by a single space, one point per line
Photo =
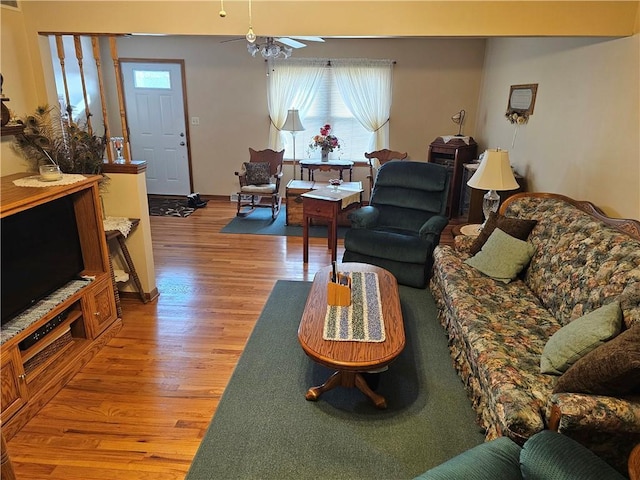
x=326 y=142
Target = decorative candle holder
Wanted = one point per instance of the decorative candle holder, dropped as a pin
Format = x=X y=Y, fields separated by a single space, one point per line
x=50 y=173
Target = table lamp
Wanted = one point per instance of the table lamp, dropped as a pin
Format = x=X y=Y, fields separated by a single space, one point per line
x=493 y=174
x=294 y=125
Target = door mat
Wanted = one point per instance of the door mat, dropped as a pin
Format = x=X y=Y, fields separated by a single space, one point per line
x=169 y=206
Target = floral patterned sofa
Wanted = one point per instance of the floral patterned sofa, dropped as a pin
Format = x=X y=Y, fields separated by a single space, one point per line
x=497 y=331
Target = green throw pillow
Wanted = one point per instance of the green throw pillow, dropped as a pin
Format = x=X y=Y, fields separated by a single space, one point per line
x=258 y=173
x=612 y=369
x=582 y=335
x=502 y=256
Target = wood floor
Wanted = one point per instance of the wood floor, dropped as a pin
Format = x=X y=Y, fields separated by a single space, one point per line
x=140 y=408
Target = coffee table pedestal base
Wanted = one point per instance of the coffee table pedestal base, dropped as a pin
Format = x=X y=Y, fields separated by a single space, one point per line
x=347 y=379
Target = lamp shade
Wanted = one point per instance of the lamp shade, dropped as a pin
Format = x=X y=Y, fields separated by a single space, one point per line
x=293 y=123
x=494 y=172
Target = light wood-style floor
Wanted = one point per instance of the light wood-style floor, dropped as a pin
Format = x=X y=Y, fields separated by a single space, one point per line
x=140 y=408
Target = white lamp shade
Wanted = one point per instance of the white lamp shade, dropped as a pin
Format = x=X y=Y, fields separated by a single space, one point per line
x=293 y=123
x=494 y=172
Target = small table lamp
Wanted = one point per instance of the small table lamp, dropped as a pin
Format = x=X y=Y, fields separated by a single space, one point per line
x=294 y=125
x=493 y=174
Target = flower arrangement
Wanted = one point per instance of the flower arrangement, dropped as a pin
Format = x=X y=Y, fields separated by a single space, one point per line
x=325 y=141
x=49 y=138
x=517 y=117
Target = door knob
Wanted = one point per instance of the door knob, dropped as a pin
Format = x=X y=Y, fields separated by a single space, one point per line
x=182 y=134
x=182 y=144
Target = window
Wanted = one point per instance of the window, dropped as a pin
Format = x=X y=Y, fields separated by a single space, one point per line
x=328 y=106
x=158 y=79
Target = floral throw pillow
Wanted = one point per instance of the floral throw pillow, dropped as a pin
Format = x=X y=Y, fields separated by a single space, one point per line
x=257 y=173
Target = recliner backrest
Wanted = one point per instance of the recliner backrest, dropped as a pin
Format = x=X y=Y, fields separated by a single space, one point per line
x=408 y=193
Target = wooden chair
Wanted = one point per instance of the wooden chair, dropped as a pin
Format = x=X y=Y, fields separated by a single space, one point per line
x=382 y=157
x=259 y=180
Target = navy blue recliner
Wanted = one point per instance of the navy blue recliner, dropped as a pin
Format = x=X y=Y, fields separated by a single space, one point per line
x=401 y=226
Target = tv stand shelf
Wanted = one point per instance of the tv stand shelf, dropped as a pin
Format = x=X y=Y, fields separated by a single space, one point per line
x=46 y=345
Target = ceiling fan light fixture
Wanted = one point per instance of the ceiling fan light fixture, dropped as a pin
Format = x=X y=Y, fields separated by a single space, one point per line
x=250 y=36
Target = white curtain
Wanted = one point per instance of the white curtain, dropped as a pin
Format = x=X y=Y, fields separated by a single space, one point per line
x=291 y=83
x=366 y=89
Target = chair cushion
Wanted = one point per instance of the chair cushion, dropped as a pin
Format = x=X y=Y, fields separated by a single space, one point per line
x=268 y=189
x=258 y=173
x=502 y=257
x=495 y=460
x=579 y=337
x=398 y=245
x=516 y=227
x=612 y=369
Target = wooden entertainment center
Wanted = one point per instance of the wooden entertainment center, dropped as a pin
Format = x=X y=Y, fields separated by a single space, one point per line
x=78 y=324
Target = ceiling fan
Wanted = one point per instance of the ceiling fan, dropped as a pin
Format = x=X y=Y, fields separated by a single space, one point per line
x=278 y=47
x=272 y=47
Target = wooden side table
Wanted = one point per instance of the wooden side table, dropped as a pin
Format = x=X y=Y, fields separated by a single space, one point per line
x=326 y=203
x=117 y=235
x=313 y=165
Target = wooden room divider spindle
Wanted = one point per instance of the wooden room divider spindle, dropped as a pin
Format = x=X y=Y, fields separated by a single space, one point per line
x=79 y=57
x=123 y=118
x=60 y=48
x=107 y=131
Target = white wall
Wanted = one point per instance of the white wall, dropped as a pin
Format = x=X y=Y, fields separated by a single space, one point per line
x=583 y=139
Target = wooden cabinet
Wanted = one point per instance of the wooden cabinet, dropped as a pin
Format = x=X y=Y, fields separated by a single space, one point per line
x=41 y=352
x=453 y=152
x=14 y=391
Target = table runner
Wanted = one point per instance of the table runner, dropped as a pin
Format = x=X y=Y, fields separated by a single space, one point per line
x=361 y=321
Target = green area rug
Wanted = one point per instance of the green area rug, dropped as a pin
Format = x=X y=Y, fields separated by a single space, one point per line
x=265 y=429
x=259 y=222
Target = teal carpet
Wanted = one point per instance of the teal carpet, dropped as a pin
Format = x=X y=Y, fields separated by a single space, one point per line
x=260 y=223
x=265 y=429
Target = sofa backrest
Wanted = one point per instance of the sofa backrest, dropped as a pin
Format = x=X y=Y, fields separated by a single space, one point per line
x=581 y=262
x=408 y=193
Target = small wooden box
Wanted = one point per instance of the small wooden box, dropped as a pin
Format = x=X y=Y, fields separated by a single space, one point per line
x=337 y=294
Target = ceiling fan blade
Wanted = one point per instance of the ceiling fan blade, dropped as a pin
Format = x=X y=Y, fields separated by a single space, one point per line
x=309 y=39
x=290 y=42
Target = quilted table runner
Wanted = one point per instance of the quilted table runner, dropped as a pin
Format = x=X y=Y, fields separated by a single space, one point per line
x=362 y=320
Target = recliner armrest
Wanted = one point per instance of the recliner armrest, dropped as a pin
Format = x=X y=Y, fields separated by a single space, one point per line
x=433 y=226
x=365 y=217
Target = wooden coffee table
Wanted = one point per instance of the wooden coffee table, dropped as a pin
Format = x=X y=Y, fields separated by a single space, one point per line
x=351 y=359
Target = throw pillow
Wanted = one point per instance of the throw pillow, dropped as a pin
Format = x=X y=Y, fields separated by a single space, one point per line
x=612 y=369
x=516 y=227
x=502 y=257
x=257 y=173
x=582 y=335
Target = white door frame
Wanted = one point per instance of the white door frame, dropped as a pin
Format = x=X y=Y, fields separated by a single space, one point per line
x=181 y=64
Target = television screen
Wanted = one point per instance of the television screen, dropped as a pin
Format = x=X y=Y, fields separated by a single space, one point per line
x=40 y=254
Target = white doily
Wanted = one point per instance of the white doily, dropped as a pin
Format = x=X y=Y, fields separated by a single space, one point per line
x=448 y=138
x=34 y=181
x=118 y=223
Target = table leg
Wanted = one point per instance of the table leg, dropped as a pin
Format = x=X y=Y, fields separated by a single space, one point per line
x=351 y=174
x=333 y=234
x=305 y=238
x=349 y=380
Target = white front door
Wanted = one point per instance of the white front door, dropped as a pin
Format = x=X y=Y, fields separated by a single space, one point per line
x=155 y=114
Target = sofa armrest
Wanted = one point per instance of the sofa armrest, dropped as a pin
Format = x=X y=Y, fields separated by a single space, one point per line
x=365 y=217
x=462 y=243
x=577 y=411
x=433 y=226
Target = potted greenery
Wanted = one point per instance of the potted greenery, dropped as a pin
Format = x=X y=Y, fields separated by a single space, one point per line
x=50 y=138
